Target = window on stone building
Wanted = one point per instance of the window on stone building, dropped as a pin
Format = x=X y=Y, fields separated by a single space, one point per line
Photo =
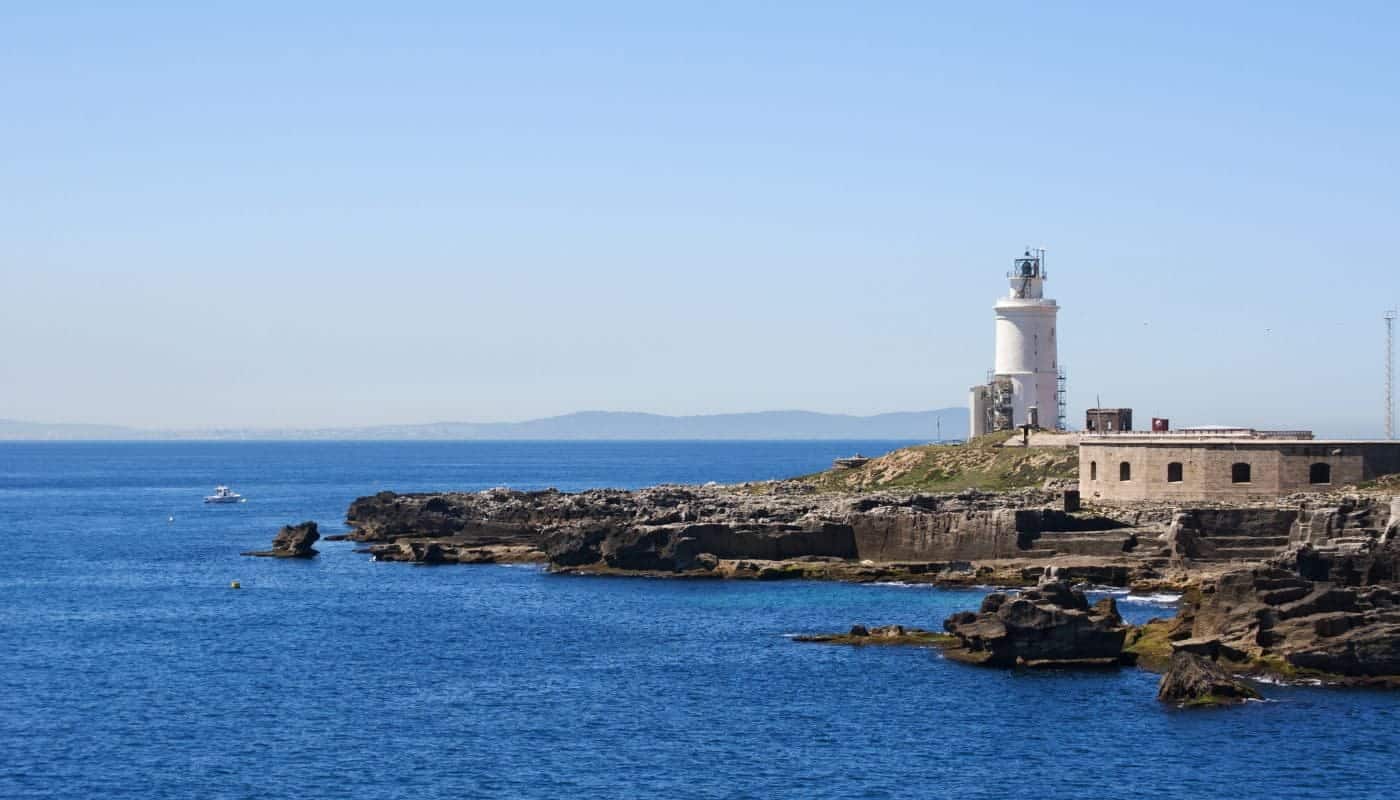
x=1125 y=472
x=1320 y=473
x=1093 y=470
x=1174 y=472
x=1239 y=473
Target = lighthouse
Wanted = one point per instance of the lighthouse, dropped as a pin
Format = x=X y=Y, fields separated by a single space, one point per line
x=1025 y=380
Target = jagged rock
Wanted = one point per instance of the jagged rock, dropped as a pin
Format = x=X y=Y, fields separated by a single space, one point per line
x=1183 y=540
x=1368 y=564
x=670 y=529
x=577 y=529
x=1194 y=680
x=1049 y=625
x=1273 y=615
x=1107 y=608
x=292 y=541
x=685 y=547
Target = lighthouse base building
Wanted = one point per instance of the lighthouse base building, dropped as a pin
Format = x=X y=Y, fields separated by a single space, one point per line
x=1025 y=383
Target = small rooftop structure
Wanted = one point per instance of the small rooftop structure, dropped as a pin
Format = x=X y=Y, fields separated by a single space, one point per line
x=1108 y=419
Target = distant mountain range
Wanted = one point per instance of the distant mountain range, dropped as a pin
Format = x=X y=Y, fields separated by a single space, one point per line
x=951 y=423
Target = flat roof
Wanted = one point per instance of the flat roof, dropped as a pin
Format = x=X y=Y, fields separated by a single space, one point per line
x=1148 y=438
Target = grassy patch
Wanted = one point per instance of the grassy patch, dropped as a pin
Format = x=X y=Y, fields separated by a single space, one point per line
x=979 y=464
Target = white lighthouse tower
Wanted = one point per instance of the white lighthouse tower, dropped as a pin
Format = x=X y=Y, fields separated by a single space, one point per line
x=1024 y=389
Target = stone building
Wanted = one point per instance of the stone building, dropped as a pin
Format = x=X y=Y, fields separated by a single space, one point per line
x=1240 y=464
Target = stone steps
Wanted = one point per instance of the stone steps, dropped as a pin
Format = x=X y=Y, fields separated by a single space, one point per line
x=1247 y=541
x=1089 y=546
x=1243 y=554
x=1349 y=542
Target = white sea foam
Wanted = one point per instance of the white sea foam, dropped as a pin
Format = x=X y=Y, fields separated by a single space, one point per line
x=1274 y=680
x=1155 y=599
x=1116 y=591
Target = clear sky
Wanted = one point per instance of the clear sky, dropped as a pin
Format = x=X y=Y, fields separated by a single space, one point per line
x=357 y=213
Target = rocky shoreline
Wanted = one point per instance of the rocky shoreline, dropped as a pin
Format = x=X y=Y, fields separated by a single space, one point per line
x=1015 y=538
x=1305 y=588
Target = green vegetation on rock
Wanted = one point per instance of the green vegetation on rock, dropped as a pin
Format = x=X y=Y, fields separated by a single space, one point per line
x=983 y=463
x=1150 y=645
x=888 y=635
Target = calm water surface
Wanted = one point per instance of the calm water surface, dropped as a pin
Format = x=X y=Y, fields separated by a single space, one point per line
x=129 y=669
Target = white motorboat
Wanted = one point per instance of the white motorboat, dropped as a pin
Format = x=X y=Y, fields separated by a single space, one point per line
x=223 y=494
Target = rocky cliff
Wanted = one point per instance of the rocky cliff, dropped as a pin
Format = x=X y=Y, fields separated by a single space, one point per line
x=1330 y=612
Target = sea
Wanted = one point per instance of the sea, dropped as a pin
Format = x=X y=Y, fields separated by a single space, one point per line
x=130 y=669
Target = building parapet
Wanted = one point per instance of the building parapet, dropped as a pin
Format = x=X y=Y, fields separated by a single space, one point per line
x=1195 y=434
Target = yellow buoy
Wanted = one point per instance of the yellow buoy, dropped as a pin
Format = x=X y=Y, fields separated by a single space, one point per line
x=235 y=585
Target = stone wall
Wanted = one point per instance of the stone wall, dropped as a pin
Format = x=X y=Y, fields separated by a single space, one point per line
x=911 y=534
x=1207 y=468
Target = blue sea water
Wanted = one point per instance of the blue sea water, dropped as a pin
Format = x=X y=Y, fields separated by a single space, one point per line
x=129 y=668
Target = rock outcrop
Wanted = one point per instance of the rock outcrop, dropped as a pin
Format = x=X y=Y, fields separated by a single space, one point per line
x=683 y=529
x=1192 y=680
x=681 y=547
x=1331 y=613
x=292 y=541
x=762 y=531
x=1051 y=625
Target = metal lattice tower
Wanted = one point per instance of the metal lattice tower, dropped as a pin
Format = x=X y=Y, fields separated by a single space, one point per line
x=1062 y=418
x=1390 y=374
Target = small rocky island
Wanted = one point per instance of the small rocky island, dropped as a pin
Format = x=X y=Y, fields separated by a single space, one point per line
x=1050 y=625
x=293 y=541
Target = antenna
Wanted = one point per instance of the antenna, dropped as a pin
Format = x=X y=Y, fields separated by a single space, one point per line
x=1390 y=374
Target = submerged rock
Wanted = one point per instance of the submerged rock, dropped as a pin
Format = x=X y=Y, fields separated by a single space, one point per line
x=293 y=541
x=1051 y=625
x=885 y=634
x=1193 y=680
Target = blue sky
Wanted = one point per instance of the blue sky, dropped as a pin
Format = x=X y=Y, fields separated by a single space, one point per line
x=354 y=213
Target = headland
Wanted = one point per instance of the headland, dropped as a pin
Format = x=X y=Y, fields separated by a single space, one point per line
x=1298 y=586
